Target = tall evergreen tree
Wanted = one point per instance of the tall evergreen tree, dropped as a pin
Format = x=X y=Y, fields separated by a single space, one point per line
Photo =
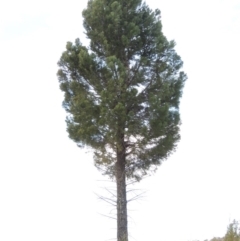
x=122 y=92
x=233 y=232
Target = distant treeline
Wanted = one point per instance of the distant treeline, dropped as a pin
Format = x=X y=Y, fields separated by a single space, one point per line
x=232 y=234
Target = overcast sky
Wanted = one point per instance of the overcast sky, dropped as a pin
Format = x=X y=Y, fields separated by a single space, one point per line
x=48 y=184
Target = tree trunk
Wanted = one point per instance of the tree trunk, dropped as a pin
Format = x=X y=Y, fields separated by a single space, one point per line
x=122 y=227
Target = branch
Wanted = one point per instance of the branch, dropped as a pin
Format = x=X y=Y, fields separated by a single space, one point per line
x=110 y=192
x=136 y=197
x=148 y=86
x=132 y=190
x=107 y=216
x=107 y=200
x=134 y=181
x=134 y=73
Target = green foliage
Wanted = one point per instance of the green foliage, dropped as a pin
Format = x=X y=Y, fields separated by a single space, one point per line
x=122 y=93
x=217 y=239
x=233 y=232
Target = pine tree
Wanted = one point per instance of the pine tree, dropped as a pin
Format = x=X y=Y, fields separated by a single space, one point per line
x=233 y=232
x=122 y=93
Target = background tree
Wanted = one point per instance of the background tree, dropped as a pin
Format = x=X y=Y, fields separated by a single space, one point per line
x=233 y=232
x=216 y=239
x=122 y=93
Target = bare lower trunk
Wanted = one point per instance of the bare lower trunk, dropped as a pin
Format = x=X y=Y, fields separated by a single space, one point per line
x=122 y=229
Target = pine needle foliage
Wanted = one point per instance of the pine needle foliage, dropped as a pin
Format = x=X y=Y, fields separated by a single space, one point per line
x=124 y=88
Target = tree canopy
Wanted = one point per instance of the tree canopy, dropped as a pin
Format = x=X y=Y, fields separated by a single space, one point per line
x=125 y=88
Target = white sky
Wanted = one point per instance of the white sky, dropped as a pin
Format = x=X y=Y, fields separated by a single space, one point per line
x=47 y=183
